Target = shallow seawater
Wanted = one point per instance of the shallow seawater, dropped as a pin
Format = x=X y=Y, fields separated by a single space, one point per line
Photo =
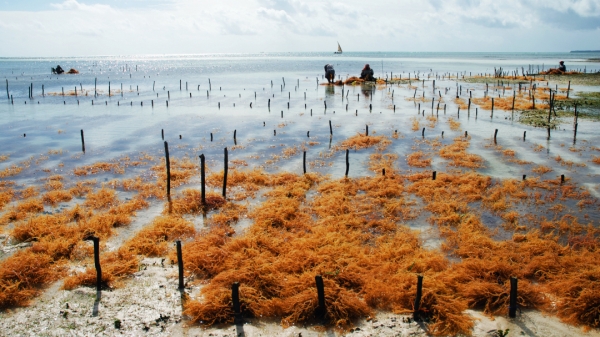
x=128 y=123
x=267 y=110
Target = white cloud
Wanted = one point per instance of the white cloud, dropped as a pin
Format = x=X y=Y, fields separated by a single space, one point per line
x=73 y=5
x=190 y=26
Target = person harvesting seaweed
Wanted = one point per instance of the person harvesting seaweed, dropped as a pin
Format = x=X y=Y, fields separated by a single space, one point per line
x=562 y=66
x=367 y=73
x=329 y=73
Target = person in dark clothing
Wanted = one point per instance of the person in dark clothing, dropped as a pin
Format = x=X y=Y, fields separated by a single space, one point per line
x=562 y=66
x=329 y=73
x=367 y=73
x=58 y=70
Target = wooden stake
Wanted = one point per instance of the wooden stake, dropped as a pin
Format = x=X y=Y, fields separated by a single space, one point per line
x=512 y=308
x=235 y=301
x=180 y=264
x=304 y=162
x=226 y=168
x=321 y=309
x=168 y=165
x=82 y=142
x=96 y=241
x=203 y=179
x=417 y=304
x=347 y=162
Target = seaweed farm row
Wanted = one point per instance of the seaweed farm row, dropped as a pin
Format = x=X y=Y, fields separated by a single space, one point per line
x=465 y=182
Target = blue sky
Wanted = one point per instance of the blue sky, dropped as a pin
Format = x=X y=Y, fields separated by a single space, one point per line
x=126 y=27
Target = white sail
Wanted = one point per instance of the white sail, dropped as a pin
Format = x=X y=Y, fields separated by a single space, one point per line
x=339 y=48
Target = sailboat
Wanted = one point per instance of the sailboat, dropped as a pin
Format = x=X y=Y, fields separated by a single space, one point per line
x=339 y=51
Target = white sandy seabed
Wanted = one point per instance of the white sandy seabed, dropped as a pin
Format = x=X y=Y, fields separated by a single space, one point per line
x=150 y=305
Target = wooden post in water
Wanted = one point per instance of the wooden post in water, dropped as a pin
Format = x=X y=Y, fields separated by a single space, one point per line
x=550 y=113
x=347 y=162
x=95 y=87
x=330 y=129
x=568 y=89
x=495 y=134
x=8 y=94
x=575 y=124
x=82 y=142
x=304 y=162
x=202 y=179
x=168 y=165
x=225 y=169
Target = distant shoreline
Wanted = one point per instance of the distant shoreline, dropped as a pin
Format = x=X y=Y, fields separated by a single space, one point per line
x=585 y=51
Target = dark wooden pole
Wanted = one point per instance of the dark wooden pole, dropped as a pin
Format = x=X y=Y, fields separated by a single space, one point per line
x=347 y=162
x=226 y=167
x=304 y=162
x=321 y=310
x=180 y=264
x=203 y=179
x=96 y=241
x=168 y=165
x=417 y=305
x=235 y=301
x=82 y=142
x=97 y=263
x=512 y=309
x=330 y=129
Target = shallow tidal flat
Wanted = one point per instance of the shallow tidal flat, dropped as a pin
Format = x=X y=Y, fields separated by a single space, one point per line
x=368 y=185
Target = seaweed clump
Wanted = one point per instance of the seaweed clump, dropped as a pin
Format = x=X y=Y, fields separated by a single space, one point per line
x=349 y=237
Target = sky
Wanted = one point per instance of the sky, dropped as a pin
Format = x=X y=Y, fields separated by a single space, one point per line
x=39 y=28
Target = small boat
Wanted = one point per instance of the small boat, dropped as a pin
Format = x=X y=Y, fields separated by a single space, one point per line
x=339 y=51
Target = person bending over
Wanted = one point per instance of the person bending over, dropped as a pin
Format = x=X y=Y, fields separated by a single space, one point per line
x=367 y=73
x=329 y=73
